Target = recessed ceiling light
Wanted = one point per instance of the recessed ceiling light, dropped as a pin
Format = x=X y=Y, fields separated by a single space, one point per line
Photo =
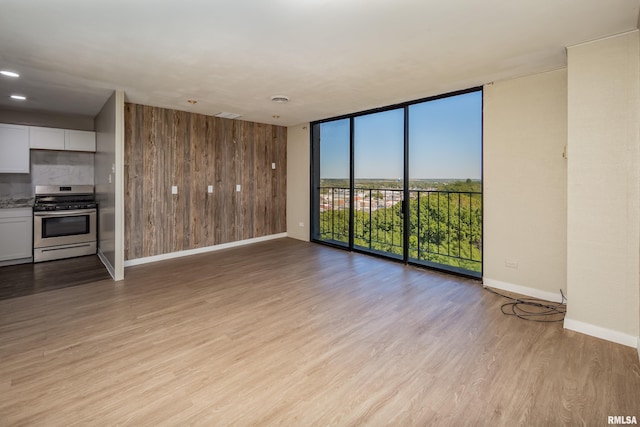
x=18 y=97
x=9 y=73
x=281 y=99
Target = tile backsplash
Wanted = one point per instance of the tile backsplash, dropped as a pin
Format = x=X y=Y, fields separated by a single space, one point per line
x=48 y=168
x=15 y=186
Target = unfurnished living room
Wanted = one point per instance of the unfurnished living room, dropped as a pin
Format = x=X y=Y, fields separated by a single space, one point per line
x=320 y=212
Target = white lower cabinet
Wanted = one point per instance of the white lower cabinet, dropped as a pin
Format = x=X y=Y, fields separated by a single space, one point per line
x=16 y=234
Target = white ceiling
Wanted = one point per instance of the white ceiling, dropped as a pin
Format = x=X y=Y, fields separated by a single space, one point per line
x=330 y=57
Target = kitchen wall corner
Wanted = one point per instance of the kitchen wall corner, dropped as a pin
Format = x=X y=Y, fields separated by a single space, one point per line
x=104 y=178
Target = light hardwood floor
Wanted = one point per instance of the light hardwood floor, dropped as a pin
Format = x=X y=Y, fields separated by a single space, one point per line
x=292 y=333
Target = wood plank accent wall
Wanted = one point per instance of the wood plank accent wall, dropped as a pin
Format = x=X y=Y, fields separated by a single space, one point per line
x=169 y=147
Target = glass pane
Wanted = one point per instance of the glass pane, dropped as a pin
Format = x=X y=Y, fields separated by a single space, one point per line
x=378 y=187
x=65 y=226
x=445 y=171
x=333 y=192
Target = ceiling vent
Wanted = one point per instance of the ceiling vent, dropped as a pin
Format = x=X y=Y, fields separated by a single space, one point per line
x=224 y=115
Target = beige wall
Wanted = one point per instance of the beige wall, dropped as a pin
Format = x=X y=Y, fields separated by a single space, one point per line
x=104 y=177
x=298 y=181
x=108 y=176
x=568 y=224
x=525 y=132
x=603 y=188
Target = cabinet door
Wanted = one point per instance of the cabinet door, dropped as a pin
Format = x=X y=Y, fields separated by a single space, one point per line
x=16 y=241
x=14 y=149
x=46 y=138
x=80 y=140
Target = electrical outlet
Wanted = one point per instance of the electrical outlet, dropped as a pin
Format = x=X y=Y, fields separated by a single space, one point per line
x=174 y=189
x=238 y=187
x=210 y=189
x=510 y=264
x=273 y=165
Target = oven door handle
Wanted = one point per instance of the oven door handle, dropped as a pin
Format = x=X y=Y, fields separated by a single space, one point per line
x=65 y=213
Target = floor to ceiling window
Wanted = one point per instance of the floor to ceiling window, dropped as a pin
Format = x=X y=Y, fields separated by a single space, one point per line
x=332 y=199
x=378 y=161
x=445 y=171
x=403 y=182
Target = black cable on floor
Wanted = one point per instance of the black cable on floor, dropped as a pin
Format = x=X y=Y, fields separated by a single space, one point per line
x=532 y=309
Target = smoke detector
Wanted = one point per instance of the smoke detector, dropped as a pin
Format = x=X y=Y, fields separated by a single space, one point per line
x=280 y=99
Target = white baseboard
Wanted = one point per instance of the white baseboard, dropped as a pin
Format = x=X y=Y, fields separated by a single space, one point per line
x=523 y=290
x=571 y=324
x=16 y=261
x=603 y=333
x=188 y=252
x=107 y=264
x=302 y=237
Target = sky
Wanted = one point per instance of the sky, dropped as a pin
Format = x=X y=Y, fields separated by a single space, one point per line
x=445 y=142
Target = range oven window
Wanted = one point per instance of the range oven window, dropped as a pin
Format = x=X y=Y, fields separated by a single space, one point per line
x=65 y=226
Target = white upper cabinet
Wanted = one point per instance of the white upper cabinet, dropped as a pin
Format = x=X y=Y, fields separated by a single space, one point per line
x=16 y=140
x=79 y=140
x=61 y=139
x=14 y=149
x=46 y=138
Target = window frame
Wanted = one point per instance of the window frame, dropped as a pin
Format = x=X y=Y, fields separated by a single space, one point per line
x=314 y=131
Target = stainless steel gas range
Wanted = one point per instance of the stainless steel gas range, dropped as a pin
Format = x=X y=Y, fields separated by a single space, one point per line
x=64 y=222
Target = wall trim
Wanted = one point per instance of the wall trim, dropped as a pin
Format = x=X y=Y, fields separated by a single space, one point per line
x=107 y=264
x=119 y=188
x=304 y=238
x=16 y=261
x=571 y=324
x=523 y=290
x=612 y=36
x=600 y=332
x=179 y=254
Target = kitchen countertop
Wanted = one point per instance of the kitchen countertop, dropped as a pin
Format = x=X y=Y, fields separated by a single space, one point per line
x=16 y=203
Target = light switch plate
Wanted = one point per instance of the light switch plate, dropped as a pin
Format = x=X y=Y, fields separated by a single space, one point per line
x=210 y=189
x=238 y=187
x=273 y=165
x=174 y=189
